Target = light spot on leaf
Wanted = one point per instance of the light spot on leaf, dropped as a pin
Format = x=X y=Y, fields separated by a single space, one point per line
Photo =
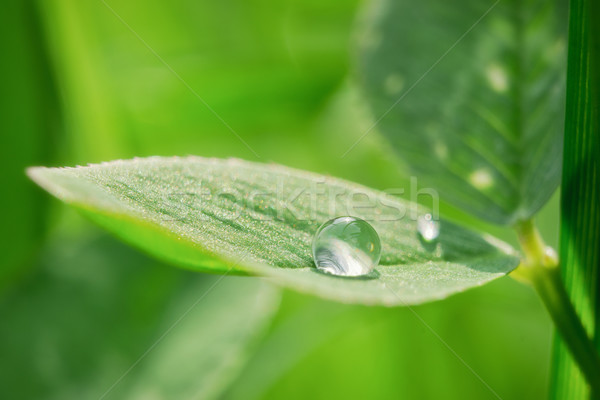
x=393 y=84
x=441 y=150
x=497 y=78
x=370 y=40
x=554 y=51
x=481 y=179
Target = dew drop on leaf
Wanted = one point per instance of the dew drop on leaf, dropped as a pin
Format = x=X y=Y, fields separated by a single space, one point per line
x=428 y=228
x=346 y=246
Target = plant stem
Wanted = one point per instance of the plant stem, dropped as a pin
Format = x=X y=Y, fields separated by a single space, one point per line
x=540 y=269
x=552 y=291
x=532 y=243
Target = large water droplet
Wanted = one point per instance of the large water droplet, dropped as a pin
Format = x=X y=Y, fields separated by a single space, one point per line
x=428 y=228
x=346 y=246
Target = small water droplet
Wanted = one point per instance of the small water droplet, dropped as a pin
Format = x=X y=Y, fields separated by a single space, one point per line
x=428 y=228
x=346 y=246
x=550 y=256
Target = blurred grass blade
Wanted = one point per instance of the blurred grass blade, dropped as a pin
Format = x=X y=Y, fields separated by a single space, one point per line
x=29 y=124
x=580 y=212
x=208 y=214
x=470 y=95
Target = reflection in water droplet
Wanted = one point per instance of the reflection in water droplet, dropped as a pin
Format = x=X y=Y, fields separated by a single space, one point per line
x=428 y=228
x=346 y=246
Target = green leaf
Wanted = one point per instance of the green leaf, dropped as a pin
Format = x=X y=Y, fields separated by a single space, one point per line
x=217 y=215
x=580 y=198
x=471 y=97
x=97 y=318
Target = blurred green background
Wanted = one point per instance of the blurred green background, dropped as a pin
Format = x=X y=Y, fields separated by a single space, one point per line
x=88 y=81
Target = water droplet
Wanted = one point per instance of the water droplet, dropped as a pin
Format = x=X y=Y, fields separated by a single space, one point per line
x=428 y=228
x=346 y=246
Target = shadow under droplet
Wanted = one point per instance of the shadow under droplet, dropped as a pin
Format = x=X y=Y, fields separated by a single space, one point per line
x=368 y=277
x=430 y=245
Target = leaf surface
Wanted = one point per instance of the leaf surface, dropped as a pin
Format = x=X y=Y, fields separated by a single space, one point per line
x=233 y=216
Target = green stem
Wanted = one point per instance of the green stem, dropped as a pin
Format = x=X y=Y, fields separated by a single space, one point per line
x=550 y=288
x=533 y=245
x=540 y=269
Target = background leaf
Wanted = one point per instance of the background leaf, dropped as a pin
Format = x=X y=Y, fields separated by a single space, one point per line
x=222 y=215
x=70 y=334
x=471 y=97
x=324 y=343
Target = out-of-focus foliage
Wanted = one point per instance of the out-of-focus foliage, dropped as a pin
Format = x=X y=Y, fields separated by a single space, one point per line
x=78 y=328
x=365 y=352
x=471 y=97
x=29 y=124
x=580 y=194
x=277 y=74
x=265 y=68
